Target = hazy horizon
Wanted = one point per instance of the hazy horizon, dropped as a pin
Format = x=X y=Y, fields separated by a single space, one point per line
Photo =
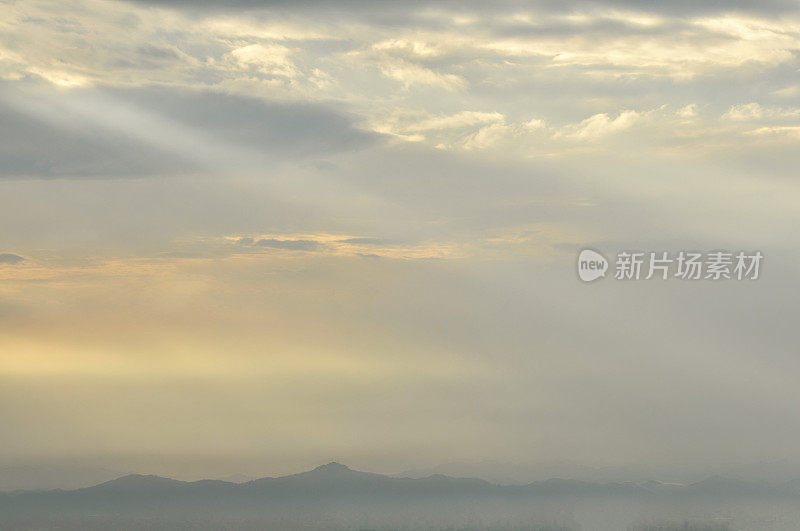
x=334 y=496
x=71 y=474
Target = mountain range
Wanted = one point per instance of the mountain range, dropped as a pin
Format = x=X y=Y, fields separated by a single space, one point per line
x=334 y=496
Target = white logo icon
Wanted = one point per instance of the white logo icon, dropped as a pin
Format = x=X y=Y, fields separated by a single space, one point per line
x=591 y=265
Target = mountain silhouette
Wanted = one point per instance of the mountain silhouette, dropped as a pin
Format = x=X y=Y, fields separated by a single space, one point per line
x=331 y=468
x=334 y=496
x=331 y=472
x=134 y=482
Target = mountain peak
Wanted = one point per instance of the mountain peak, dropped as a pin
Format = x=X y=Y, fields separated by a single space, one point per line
x=138 y=481
x=333 y=466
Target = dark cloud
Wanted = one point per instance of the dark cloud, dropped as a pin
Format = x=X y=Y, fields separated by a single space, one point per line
x=375 y=9
x=157 y=52
x=602 y=27
x=9 y=258
x=690 y=6
x=368 y=241
x=293 y=245
x=343 y=5
x=287 y=129
x=34 y=145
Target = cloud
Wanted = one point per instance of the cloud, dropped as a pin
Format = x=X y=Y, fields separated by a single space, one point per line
x=291 y=245
x=361 y=6
x=10 y=258
x=488 y=136
x=688 y=111
x=294 y=129
x=412 y=48
x=271 y=59
x=158 y=131
x=335 y=245
x=755 y=111
x=789 y=131
x=791 y=91
x=688 y=7
x=410 y=74
x=368 y=241
x=601 y=125
x=452 y=121
x=38 y=146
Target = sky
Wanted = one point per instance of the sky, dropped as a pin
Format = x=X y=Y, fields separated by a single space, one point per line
x=257 y=236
